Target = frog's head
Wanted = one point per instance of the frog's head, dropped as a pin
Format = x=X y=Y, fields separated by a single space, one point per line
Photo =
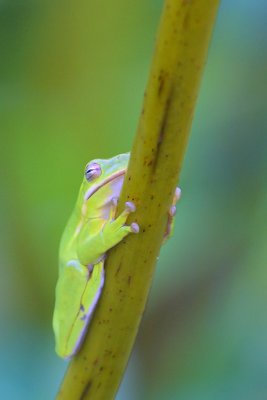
x=99 y=173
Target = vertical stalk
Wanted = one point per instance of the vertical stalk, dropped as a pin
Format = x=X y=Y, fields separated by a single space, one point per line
x=156 y=158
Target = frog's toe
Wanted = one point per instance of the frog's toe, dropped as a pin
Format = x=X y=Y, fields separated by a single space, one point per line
x=135 y=227
x=172 y=211
x=129 y=205
x=177 y=194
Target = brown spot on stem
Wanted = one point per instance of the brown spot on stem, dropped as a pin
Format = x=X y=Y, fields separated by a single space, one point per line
x=162 y=128
x=86 y=390
x=118 y=270
x=161 y=80
x=186 y=21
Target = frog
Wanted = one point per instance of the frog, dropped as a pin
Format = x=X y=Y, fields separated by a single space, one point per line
x=92 y=229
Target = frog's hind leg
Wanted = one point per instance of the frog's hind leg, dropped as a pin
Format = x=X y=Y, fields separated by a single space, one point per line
x=89 y=300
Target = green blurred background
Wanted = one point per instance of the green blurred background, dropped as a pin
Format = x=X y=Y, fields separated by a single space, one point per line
x=72 y=80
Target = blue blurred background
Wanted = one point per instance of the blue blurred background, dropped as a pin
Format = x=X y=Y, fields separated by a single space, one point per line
x=72 y=81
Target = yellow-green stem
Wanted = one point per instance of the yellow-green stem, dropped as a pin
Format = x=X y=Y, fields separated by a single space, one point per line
x=156 y=158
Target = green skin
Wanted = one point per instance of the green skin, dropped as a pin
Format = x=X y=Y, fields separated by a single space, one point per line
x=91 y=231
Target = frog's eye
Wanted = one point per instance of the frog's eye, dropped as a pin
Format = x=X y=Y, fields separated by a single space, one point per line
x=92 y=171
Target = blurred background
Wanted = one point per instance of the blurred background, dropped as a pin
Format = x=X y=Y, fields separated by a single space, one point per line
x=72 y=78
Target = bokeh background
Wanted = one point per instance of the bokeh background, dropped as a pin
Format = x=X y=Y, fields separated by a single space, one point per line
x=72 y=78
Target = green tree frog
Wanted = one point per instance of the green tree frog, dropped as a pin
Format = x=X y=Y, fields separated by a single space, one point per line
x=90 y=232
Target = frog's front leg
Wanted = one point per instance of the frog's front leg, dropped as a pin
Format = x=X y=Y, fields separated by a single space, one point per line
x=92 y=247
x=171 y=214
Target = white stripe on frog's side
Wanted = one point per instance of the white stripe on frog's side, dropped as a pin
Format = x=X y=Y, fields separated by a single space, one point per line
x=84 y=208
x=78 y=228
x=75 y=264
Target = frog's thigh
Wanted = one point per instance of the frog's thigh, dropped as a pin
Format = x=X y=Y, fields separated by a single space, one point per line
x=88 y=302
x=81 y=310
x=70 y=287
x=92 y=291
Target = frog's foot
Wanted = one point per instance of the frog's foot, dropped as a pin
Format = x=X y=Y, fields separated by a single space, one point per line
x=119 y=222
x=115 y=229
x=171 y=214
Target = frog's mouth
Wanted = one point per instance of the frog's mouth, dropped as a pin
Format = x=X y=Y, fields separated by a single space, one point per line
x=93 y=189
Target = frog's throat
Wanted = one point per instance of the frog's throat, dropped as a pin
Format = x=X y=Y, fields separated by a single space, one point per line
x=96 y=187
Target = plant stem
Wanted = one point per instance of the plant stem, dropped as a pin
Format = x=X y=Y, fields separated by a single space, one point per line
x=156 y=158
